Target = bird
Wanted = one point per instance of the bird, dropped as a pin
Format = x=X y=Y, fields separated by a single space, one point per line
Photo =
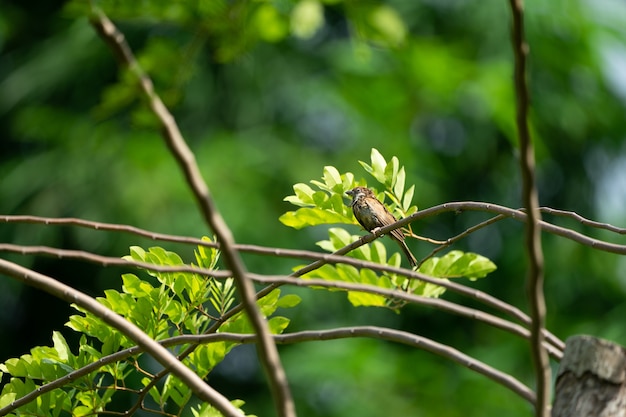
x=373 y=214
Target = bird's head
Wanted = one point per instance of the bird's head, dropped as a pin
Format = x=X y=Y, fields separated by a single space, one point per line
x=358 y=193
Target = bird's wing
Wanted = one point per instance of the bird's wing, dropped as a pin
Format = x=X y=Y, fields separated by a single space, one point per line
x=386 y=218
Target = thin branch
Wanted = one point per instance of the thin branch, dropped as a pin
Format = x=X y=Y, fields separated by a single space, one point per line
x=296 y=337
x=110 y=261
x=457 y=207
x=268 y=353
x=460 y=236
x=158 y=352
x=397 y=336
x=438 y=303
x=535 y=280
x=332 y=259
x=514 y=214
x=582 y=220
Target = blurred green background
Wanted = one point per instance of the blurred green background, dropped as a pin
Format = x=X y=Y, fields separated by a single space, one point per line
x=267 y=93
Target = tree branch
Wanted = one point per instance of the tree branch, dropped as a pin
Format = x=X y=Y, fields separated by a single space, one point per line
x=373 y=332
x=162 y=355
x=268 y=353
x=330 y=259
x=458 y=207
x=535 y=280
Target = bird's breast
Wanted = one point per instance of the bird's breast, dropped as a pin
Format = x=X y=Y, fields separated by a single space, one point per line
x=366 y=215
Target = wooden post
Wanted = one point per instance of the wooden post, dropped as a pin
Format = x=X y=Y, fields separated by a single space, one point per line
x=591 y=381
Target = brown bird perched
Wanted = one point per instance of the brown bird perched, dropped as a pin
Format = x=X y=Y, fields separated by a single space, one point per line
x=373 y=214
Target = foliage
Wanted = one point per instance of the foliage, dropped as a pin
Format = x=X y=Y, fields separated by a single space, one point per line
x=262 y=114
x=326 y=206
x=176 y=304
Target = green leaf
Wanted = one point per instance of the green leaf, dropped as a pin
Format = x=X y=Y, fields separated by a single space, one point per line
x=378 y=252
x=398 y=188
x=377 y=169
x=358 y=298
x=303 y=197
x=15 y=367
x=332 y=177
x=458 y=264
x=61 y=347
x=408 y=198
x=206 y=257
x=222 y=294
x=7 y=399
x=363 y=299
x=278 y=324
x=82 y=410
x=289 y=300
x=136 y=287
x=174 y=311
x=304 y=217
x=339 y=237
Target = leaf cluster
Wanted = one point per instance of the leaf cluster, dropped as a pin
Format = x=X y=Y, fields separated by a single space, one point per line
x=169 y=305
x=325 y=205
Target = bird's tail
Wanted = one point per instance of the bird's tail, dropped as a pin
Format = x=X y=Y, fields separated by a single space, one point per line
x=408 y=253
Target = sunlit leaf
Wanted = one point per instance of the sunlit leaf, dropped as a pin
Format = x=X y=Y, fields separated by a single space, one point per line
x=458 y=264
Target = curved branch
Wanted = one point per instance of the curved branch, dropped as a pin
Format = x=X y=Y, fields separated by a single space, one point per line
x=268 y=354
x=158 y=352
x=416 y=299
x=458 y=207
x=327 y=258
x=296 y=337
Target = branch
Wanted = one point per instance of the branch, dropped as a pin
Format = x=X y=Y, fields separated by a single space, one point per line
x=583 y=221
x=397 y=336
x=438 y=303
x=460 y=236
x=330 y=259
x=535 y=280
x=158 y=352
x=456 y=207
x=296 y=337
x=110 y=261
x=268 y=353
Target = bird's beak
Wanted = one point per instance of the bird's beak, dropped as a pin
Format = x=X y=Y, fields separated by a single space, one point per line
x=350 y=192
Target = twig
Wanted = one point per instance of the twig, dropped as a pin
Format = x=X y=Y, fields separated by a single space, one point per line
x=460 y=236
x=583 y=221
x=535 y=280
x=268 y=353
x=162 y=355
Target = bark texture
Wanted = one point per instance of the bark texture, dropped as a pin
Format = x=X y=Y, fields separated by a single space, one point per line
x=591 y=380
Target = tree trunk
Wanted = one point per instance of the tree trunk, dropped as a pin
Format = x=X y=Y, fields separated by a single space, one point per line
x=591 y=381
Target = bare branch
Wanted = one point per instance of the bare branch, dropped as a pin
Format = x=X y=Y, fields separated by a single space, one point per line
x=535 y=280
x=460 y=236
x=296 y=337
x=397 y=336
x=416 y=299
x=583 y=221
x=332 y=259
x=108 y=260
x=268 y=354
x=457 y=207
